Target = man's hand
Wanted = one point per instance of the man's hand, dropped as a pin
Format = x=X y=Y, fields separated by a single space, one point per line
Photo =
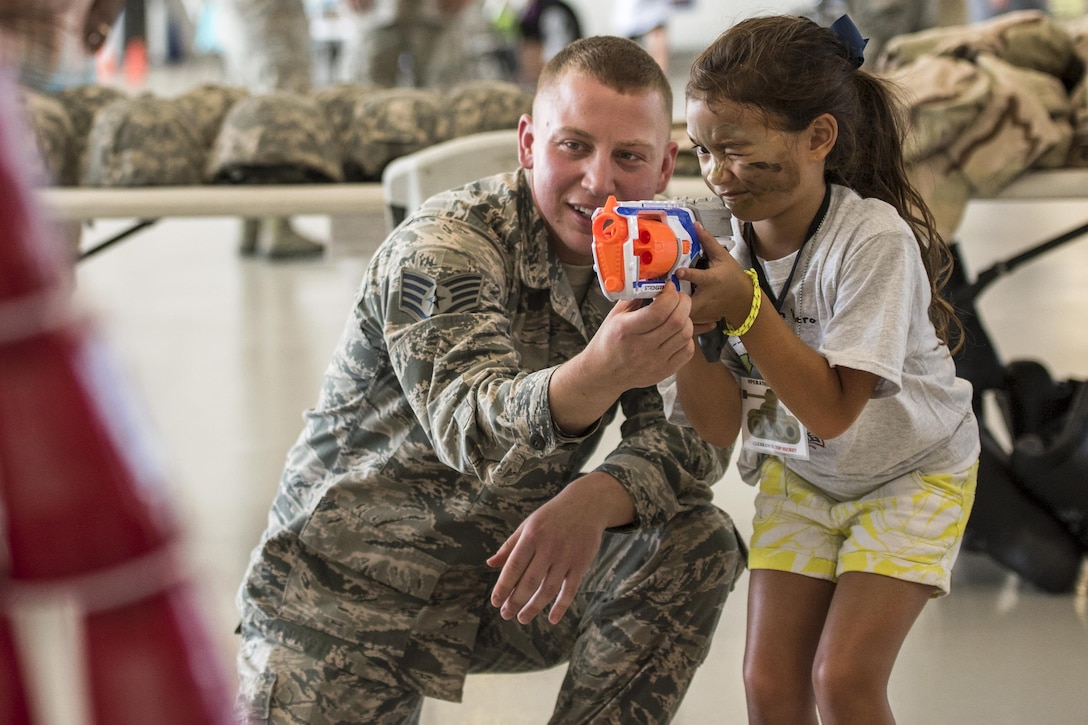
x=545 y=559
x=636 y=346
x=643 y=345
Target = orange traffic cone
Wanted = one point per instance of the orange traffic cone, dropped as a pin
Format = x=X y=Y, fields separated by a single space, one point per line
x=98 y=623
x=135 y=62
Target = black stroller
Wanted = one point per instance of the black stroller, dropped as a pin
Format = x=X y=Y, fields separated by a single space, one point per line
x=1031 y=506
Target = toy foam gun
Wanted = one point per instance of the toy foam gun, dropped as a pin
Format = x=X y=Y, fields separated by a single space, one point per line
x=639 y=245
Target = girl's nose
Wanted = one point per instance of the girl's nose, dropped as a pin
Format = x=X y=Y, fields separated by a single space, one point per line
x=716 y=172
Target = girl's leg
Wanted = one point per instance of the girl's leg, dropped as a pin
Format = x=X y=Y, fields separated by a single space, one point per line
x=786 y=614
x=868 y=621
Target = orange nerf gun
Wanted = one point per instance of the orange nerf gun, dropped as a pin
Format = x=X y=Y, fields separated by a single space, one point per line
x=639 y=245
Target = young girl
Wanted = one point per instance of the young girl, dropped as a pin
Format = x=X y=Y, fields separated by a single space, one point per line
x=837 y=369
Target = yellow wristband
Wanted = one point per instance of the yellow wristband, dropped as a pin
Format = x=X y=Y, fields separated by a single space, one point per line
x=757 y=297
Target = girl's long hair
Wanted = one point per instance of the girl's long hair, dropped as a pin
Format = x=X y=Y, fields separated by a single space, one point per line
x=791 y=70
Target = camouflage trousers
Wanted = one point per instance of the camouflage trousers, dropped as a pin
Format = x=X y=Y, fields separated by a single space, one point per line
x=374 y=54
x=639 y=628
x=266 y=45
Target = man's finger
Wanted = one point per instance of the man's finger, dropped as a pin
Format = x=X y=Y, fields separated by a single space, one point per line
x=563 y=602
x=544 y=594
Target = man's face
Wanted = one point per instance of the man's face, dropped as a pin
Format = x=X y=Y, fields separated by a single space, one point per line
x=586 y=141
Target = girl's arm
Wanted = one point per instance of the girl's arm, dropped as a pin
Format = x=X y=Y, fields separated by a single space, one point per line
x=826 y=399
x=710 y=398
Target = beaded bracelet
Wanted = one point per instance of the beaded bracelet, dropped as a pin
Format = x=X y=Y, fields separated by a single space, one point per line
x=757 y=297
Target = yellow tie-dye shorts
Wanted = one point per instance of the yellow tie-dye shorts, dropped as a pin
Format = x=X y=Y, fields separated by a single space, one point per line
x=909 y=528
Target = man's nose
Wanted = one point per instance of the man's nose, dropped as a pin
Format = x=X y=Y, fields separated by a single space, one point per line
x=598 y=176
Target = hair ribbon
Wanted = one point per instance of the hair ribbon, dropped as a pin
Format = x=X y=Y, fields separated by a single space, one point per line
x=845 y=30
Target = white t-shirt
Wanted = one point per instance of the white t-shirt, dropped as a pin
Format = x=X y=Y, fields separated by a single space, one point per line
x=860 y=297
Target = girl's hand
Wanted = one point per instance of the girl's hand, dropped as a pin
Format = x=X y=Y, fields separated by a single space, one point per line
x=721 y=290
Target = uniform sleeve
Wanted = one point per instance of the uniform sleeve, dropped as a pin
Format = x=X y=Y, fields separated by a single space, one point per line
x=447 y=327
x=664 y=467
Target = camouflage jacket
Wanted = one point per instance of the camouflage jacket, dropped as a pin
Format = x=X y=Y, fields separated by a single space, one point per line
x=432 y=440
x=988 y=102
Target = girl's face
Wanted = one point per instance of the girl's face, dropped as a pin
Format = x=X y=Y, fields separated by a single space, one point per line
x=759 y=172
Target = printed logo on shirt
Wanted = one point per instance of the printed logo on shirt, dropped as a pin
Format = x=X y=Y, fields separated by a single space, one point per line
x=422 y=297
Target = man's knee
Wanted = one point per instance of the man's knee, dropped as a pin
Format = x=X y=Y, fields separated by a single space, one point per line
x=681 y=572
x=280 y=685
x=708 y=555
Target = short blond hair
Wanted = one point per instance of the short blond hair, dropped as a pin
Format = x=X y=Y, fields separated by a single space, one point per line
x=618 y=63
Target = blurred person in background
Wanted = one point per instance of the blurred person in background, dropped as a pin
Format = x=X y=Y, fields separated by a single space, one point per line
x=395 y=42
x=645 y=21
x=52 y=43
x=266 y=48
x=545 y=28
x=979 y=10
x=881 y=20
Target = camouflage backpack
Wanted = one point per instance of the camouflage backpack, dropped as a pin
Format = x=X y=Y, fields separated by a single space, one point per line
x=142 y=141
x=338 y=103
x=82 y=103
x=388 y=124
x=207 y=105
x=275 y=138
x=486 y=105
x=53 y=132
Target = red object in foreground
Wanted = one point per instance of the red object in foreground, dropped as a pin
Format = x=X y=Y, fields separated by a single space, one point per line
x=98 y=623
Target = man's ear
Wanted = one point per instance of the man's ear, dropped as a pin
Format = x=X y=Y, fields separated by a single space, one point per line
x=823 y=133
x=525 y=141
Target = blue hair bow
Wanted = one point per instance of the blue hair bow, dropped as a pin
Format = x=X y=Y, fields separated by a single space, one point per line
x=845 y=30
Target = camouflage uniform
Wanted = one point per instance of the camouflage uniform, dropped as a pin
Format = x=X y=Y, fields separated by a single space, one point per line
x=431 y=442
x=380 y=36
x=267 y=49
x=267 y=45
